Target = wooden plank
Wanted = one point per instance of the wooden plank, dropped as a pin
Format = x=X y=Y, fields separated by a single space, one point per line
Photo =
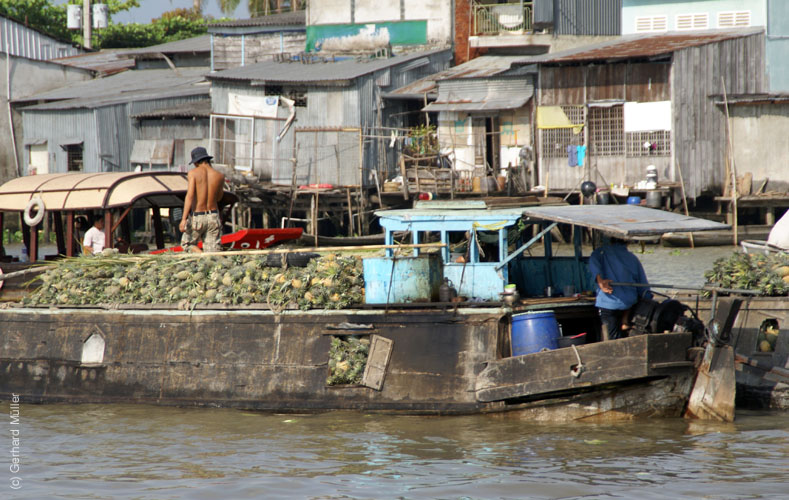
x=377 y=362
x=604 y=363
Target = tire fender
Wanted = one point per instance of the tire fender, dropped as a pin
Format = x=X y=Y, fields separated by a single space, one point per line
x=36 y=204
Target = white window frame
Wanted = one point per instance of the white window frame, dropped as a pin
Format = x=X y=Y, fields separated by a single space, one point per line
x=249 y=145
x=734 y=19
x=651 y=24
x=692 y=21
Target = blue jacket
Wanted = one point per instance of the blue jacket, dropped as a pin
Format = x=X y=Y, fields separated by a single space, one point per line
x=615 y=262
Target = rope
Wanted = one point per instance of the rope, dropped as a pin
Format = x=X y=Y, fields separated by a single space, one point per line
x=578 y=369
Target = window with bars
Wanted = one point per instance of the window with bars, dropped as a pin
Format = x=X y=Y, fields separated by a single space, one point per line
x=556 y=140
x=296 y=94
x=74 y=160
x=656 y=143
x=606 y=131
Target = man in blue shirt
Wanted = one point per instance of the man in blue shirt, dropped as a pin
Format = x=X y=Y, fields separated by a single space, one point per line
x=613 y=263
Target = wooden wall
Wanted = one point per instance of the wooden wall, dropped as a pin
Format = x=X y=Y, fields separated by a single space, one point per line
x=257 y=47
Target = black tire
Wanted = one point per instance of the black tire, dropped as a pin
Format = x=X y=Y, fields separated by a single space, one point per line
x=298 y=259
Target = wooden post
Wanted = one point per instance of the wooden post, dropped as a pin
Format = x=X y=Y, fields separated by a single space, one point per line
x=59 y=236
x=684 y=200
x=25 y=235
x=70 y=234
x=33 y=255
x=350 y=211
x=158 y=232
x=108 y=228
x=2 y=235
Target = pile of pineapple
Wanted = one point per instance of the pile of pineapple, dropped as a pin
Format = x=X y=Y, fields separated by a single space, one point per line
x=769 y=274
x=347 y=359
x=328 y=282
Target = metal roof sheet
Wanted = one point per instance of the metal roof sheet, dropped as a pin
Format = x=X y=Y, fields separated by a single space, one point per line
x=128 y=86
x=623 y=220
x=199 y=109
x=192 y=45
x=342 y=70
x=105 y=62
x=295 y=18
x=480 y=67
x=640 y=46
x=90 y=191
x=483 y=105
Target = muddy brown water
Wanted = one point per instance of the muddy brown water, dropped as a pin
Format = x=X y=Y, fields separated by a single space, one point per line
x=148 y=452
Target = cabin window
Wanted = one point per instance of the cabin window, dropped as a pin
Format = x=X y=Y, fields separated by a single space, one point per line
x=768 y=335
x=458 y=246
x=488 y=246
x=555 y=140
x=606 y=131
x=74 y=161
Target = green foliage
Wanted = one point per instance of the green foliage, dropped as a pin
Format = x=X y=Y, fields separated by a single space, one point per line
x=424 y=140
x=40 y=14
x=163 y=30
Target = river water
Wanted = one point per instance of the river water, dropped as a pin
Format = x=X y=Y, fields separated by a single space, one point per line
x=148 y=452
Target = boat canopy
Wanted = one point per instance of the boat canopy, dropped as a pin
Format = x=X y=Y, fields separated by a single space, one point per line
x=622 y=220
x=97 y=191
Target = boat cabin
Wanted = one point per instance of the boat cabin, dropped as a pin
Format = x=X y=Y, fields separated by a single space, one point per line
x=111 y=195
x=484 y=250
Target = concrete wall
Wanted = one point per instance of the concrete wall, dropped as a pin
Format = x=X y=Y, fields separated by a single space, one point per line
x=27 y=77
x=346 y=18
x=232 y=51
x=631 y=9
x=760 y=142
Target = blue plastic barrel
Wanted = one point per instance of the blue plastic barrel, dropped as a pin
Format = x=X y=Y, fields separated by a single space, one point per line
x=633 y=200
x=533 y=332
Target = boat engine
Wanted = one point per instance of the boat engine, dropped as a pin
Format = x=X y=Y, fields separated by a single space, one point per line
x=650 y=316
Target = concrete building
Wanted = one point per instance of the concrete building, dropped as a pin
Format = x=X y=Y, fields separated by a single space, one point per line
x=643 y=16
x=249 y=41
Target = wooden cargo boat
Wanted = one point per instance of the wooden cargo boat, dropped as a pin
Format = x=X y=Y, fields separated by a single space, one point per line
x=425 y=357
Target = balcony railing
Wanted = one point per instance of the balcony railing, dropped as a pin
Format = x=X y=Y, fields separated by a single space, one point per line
x=494 y=19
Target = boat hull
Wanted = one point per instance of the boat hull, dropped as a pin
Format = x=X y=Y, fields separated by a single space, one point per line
x=762 y=377
x=255 y=359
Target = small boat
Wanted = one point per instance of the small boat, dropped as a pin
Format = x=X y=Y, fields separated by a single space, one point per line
x=760 y=246
x=249 y=239
x=715 y=238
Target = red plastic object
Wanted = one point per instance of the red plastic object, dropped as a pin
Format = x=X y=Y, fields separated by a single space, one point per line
x=249 y=239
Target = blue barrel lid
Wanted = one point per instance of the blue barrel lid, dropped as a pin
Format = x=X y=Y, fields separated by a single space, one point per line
x=534 y=314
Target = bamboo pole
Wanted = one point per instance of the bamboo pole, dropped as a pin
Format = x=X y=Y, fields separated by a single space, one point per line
x=734 y=190
x=308 y=249
x=684 y=200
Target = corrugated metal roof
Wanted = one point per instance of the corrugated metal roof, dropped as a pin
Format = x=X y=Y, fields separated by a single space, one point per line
x=482 y=94
x=199 y=109
x=480 y=67
x=640 y=46
x=297 y=18
x=193 y=45
x=105 y=62
x=125 y=87
x=623 y=220
x=339 y=71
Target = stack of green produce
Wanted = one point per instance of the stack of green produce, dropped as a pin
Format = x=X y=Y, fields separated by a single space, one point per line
x=769 y=274
x=347 y=360
x=329 y=282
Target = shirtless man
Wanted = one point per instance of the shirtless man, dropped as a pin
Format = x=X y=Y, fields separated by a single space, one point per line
x=200 y=219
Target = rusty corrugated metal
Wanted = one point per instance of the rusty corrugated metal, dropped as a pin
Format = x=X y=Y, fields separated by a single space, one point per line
x=640 y=46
